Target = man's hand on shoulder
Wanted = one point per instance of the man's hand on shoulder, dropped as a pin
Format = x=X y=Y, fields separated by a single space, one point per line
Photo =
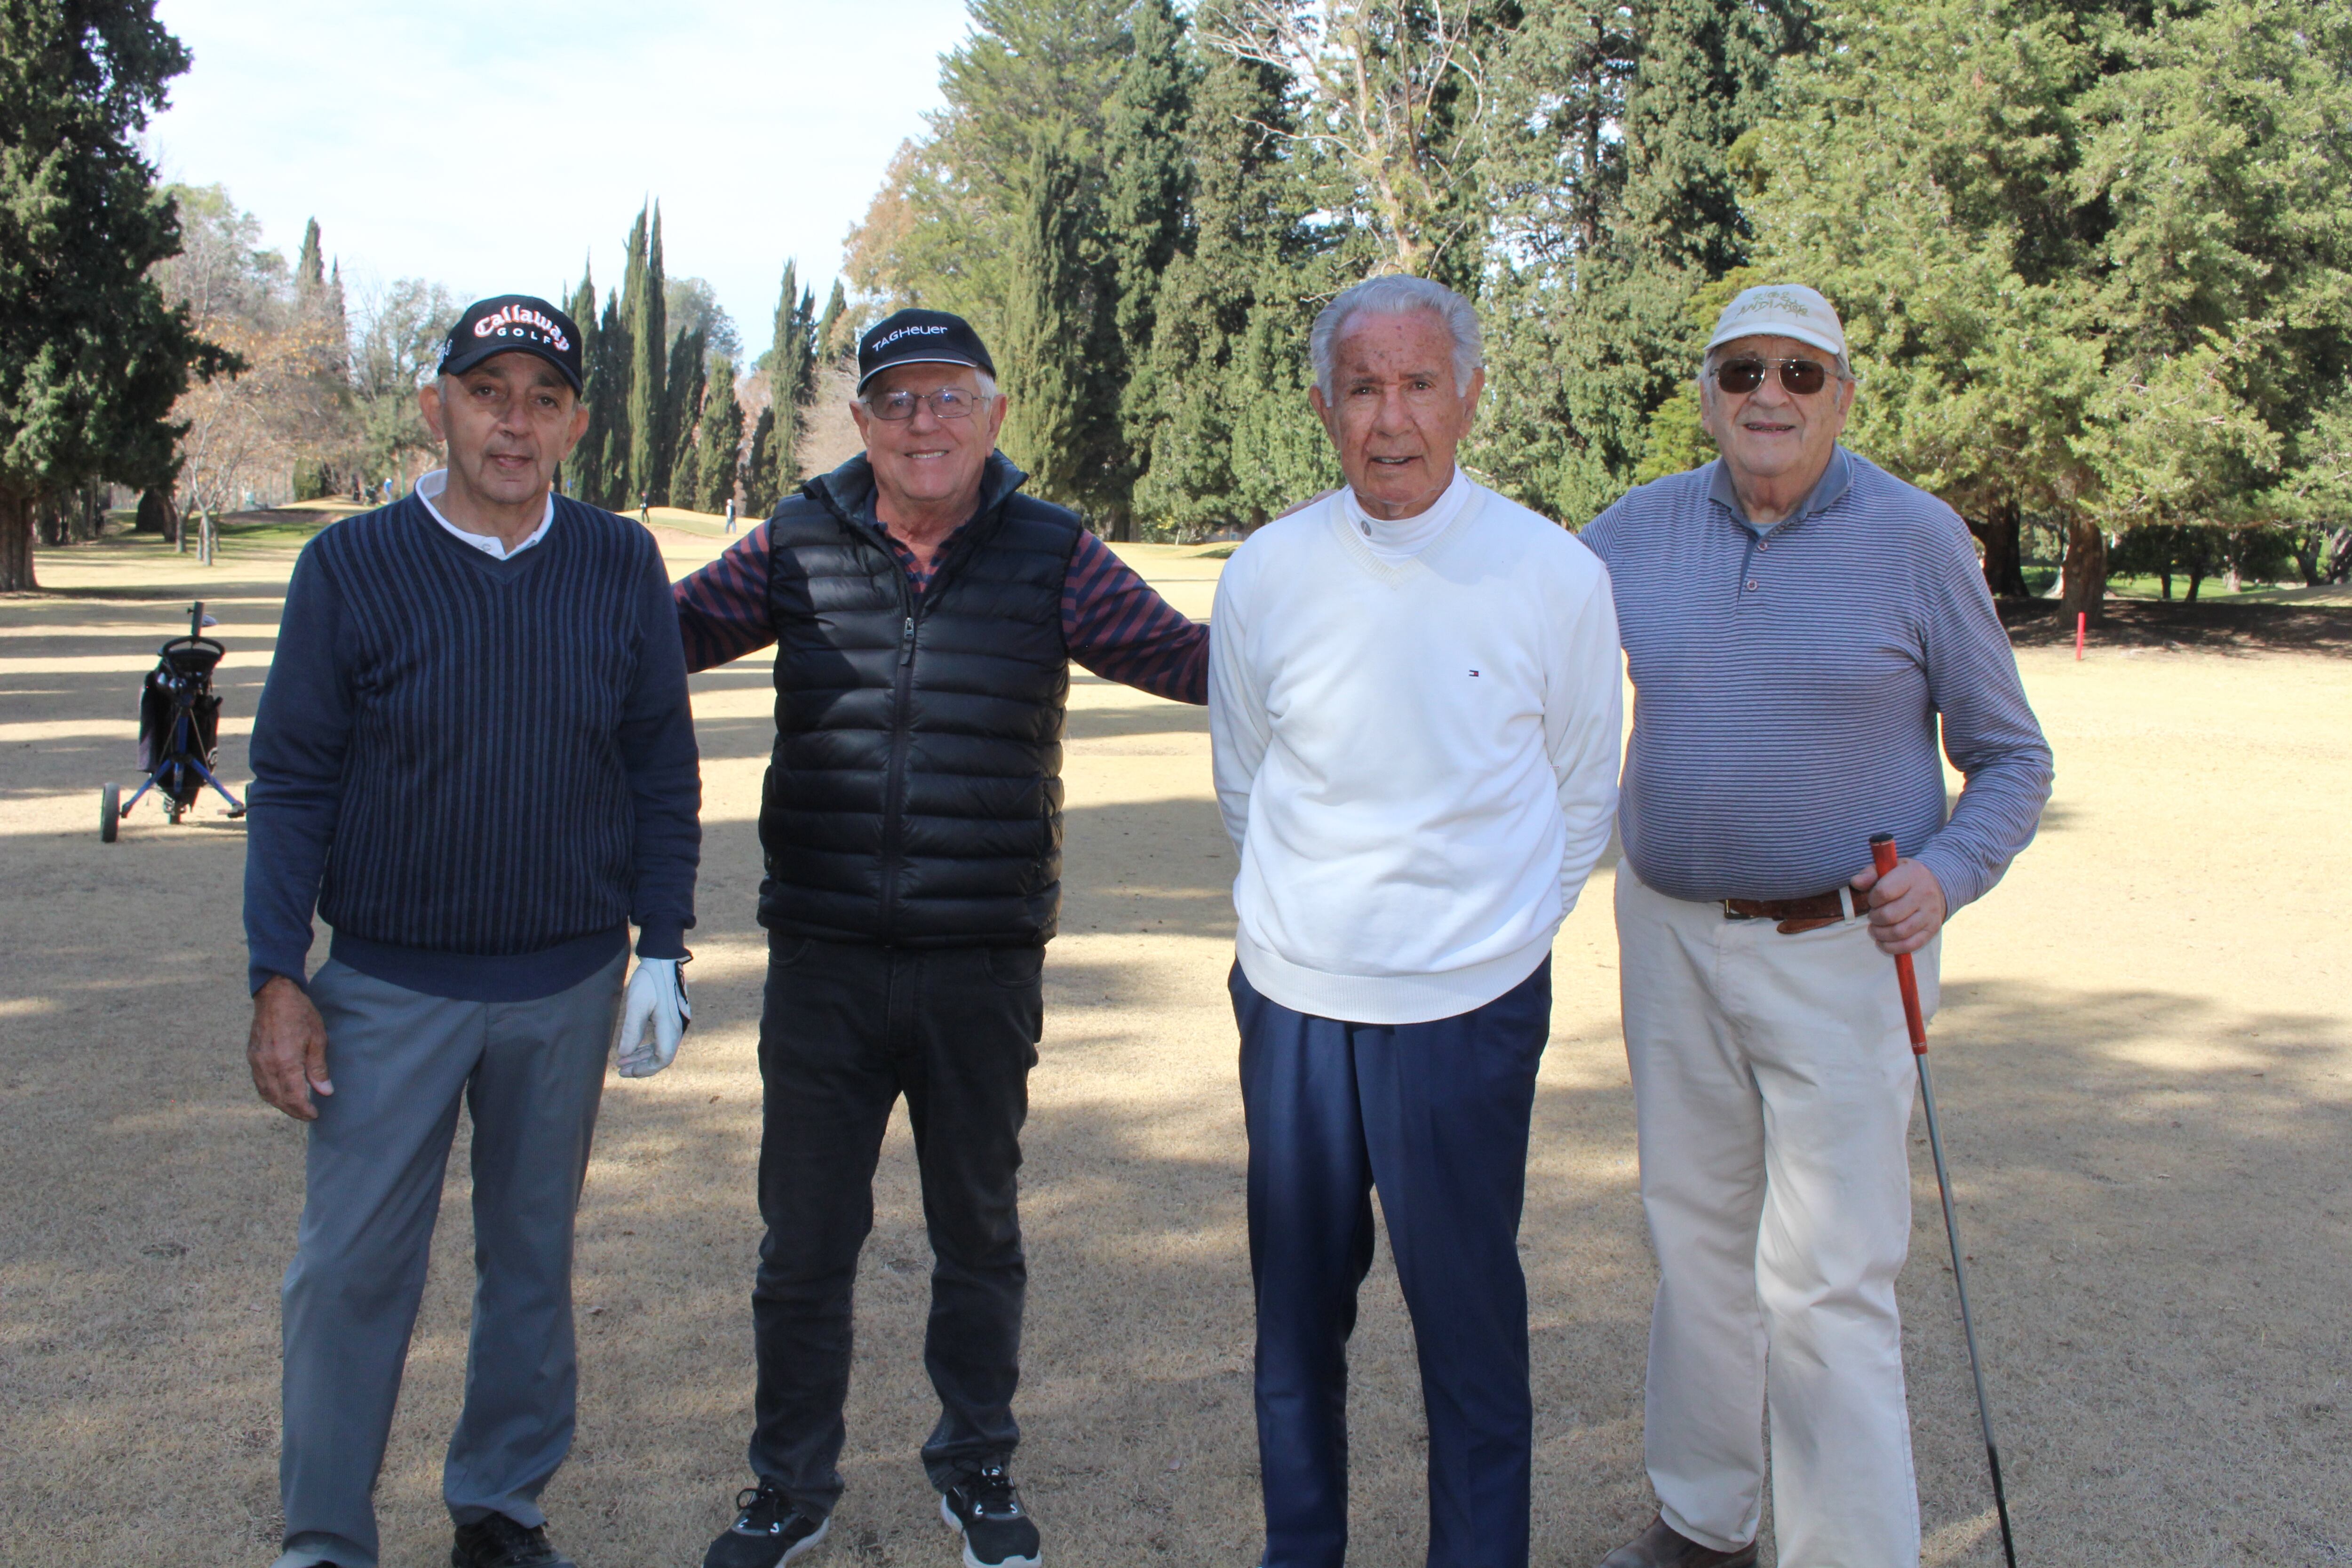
x=288 y=1049
x=1906 y=906
x=1302 y=506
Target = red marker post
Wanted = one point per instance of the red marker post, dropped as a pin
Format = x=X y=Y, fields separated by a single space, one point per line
x=2082 y=626
x=1882 y=855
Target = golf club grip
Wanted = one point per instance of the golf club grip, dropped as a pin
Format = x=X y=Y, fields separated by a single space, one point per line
x=1884 y=855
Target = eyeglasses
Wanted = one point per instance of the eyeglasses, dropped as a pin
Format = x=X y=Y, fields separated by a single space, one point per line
x=946 y=402
x=1803 y=377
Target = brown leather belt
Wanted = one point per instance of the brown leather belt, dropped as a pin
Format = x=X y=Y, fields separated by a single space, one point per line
x=1796 y=915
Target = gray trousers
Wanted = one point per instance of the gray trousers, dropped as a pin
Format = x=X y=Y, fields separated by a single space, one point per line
x=531 y=1074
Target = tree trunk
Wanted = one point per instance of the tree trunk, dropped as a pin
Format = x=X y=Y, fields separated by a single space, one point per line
x=89 y=516
x=2339 y=554
x=2165 y=577
x=156 y=514
x=2001 y=534
x=2084 y=574
x=16 y=542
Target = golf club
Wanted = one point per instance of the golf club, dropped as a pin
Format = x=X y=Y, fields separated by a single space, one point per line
x=1882 y=854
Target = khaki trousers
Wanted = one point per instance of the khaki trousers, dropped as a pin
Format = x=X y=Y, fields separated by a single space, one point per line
x=1772 y=1087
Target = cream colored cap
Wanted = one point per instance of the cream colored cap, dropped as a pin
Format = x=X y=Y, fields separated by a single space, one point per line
x=1780 y=311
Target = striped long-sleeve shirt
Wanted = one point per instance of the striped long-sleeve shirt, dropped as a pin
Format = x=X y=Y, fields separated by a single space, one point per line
x=1788 y=686
x=1113 y=621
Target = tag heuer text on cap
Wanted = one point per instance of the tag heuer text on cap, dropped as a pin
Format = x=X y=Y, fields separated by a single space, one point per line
x=919 y=337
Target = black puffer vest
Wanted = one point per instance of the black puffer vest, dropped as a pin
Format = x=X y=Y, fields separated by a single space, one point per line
x=915 y=795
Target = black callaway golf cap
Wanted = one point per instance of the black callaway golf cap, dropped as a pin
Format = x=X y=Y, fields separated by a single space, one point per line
x=919 y=337
x=511 y=323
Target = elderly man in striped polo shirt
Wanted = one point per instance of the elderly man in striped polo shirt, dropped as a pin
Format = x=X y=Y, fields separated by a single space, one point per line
x=1796 y=622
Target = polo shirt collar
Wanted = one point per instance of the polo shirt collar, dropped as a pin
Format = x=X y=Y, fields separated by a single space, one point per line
x=430 y=484
x=1835 y=481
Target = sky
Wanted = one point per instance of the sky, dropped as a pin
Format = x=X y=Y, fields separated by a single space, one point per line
x=490 y=145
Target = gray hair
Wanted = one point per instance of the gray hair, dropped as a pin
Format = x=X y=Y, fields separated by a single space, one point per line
x=1398 y=294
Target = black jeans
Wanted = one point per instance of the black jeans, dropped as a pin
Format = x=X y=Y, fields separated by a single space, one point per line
x=845 y=1030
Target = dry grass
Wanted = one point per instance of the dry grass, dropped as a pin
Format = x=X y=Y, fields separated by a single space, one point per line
x=2145 y=1070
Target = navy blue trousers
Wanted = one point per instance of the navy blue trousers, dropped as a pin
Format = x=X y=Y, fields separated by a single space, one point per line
x=1434 y=1116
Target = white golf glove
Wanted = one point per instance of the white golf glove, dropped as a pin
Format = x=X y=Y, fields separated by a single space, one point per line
x=655 y=1013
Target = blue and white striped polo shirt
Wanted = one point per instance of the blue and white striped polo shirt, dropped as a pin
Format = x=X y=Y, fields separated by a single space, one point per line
x=1787 y=685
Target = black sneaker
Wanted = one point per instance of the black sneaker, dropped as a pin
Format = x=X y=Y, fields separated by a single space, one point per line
x=768 y=1529
x=996 y=1532
x=498 y=1542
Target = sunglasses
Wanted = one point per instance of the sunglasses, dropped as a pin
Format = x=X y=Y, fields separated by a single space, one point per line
x=1803 y=377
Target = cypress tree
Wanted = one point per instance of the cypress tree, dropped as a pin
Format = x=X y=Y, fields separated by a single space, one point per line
x=717 y=438
x=791 y=364
x=581 y=305
x=311 y=267
x=604 y=451
x=91 y=358
x=760 y=491
x=834 y=340
x=1143 y=206
x=681 y=406
x=645 y=307
x=1044 y=341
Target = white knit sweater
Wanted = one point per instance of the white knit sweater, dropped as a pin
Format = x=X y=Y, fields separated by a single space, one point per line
x=1417 y=756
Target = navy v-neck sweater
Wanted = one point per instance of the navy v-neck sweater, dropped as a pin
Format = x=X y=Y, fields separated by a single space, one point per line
x=479 y=771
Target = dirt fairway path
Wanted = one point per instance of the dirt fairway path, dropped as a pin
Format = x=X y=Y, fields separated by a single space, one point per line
x=2146 y=1068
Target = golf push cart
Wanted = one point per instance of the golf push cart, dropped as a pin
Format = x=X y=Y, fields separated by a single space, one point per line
x=179 y=729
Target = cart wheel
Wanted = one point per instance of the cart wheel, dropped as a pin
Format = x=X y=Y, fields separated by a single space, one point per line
x=172 y=810
x=110 y=812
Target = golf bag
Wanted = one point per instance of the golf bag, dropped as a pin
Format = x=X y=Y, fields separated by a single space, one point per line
x=179 y=730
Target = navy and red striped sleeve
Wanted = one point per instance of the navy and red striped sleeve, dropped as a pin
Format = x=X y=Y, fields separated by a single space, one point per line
x=722 y=609
x=1117 y=626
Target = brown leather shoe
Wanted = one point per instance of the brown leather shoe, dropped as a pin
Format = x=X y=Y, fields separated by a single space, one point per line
x=1662 y=1546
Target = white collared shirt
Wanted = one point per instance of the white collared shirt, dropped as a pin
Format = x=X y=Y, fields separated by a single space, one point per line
x=490 y=544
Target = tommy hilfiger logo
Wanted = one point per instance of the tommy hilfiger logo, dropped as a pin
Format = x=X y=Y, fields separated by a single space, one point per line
x=517 y=321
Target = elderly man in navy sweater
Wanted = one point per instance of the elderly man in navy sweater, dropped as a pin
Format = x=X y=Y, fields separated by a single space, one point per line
x=1796 y=624
x=474 y=760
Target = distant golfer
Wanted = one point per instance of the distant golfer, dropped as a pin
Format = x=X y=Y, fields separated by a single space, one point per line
x=1414 y=704
x=925 y=614
x=1797 y=623
x=474 y=759
x=731 y=514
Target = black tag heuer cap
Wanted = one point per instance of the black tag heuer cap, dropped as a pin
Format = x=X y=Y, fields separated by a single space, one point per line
x=919 y=337
x=513 y=323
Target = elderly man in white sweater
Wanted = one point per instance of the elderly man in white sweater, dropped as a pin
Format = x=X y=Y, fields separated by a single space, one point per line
x=1414 y=699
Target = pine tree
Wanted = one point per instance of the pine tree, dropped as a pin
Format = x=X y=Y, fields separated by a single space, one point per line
x=717 y=438
x=1226 y=367
x=92 y=359
x=1594 y=309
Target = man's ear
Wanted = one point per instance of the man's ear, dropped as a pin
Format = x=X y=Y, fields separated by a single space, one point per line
x=429 y=403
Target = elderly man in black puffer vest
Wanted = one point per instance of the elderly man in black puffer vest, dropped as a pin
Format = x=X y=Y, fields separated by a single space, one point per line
x=925 y=613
